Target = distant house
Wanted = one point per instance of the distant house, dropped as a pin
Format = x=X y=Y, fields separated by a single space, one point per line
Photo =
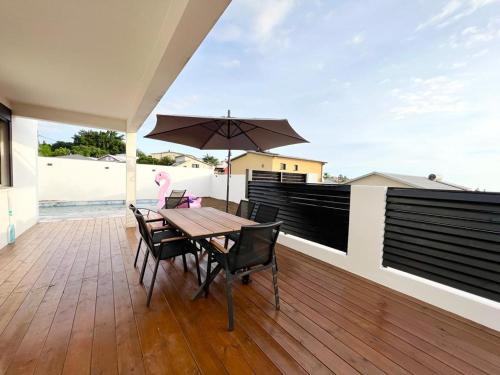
x=119 y=158
x=267 y=161
x=183 y=160
x=404 y=181
x=170 y=154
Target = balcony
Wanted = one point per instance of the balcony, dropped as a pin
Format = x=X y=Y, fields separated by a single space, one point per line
x=70 y=302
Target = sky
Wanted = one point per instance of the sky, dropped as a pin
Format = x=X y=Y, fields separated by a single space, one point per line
x=408 y=87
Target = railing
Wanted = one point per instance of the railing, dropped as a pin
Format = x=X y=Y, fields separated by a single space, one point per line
x=316 y=212
x=450 y=237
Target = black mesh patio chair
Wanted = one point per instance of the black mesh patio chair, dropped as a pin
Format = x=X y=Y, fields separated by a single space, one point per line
x=245 y=209
x=253 y=252
x=148 y=219
x=162 y=244
x=175 y=199
x=264 y=214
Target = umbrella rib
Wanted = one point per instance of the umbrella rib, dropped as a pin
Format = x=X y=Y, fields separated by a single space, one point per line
x=211 y=134
x=273 y=131
x=246 y=134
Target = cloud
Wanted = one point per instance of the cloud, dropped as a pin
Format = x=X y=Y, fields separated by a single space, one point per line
x=453 y=11
x=425 y=96
x=270 y=15
x=233 y=63
x=356 y=39
x=473 y=36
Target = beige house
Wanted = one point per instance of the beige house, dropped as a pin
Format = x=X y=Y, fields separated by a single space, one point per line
x=404 y=181
x=170 y=154
x=267 y=161
x=183 y=160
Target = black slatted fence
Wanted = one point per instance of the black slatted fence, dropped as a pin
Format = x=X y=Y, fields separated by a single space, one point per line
x=278 y=176
x=451 y=237
x=316 y=212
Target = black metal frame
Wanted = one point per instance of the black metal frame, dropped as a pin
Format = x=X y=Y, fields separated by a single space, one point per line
x=234 y=267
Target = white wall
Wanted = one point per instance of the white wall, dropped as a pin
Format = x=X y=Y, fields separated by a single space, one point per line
x=364 y=258
x=87 y=180
x=237 y=185
x=23 y=195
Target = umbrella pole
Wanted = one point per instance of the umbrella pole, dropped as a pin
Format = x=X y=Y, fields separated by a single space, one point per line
x=228 y=176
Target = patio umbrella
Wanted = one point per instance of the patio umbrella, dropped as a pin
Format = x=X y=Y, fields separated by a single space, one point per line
x=225 y=133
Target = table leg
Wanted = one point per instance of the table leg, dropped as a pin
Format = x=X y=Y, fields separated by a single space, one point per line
x=208 y=280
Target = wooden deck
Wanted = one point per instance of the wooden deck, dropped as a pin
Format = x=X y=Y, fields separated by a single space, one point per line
x=70 y=303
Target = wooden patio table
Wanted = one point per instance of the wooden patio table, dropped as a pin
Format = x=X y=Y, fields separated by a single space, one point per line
x=205 y=222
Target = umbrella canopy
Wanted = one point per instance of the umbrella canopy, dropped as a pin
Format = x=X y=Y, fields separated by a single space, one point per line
x=225 y=133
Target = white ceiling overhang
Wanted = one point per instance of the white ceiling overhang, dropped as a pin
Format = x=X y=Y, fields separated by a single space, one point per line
x=97 y=63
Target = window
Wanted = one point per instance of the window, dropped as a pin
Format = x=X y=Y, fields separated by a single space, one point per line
x=5 y=151
x=195 y=166
x=296 y=167
x=283 y=166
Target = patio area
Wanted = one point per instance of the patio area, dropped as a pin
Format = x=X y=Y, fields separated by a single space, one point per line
x=70 y=302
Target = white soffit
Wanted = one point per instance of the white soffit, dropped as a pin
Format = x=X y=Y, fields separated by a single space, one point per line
x=97 y=63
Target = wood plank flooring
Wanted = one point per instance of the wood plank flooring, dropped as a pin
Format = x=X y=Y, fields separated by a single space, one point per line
x=70 y=303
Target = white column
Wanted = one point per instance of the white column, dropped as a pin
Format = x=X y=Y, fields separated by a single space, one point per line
x=130 y=193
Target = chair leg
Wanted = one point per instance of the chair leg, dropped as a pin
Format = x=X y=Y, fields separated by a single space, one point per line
x=184 y=262
x=143 y=270
x=229 y=296
x=198 y=274
x=150 y=292
x=275 y=284
x=209 y=268
x=245 y=280
x=138 y=252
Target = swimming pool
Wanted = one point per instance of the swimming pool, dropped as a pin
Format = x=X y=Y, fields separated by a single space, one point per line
x=50 y=211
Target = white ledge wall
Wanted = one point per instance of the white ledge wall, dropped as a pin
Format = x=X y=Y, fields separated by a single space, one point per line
x=87 y=180
x=364 y=258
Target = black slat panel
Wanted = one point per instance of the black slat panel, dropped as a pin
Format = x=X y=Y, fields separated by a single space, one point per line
x=316 y=212
x=451 y=237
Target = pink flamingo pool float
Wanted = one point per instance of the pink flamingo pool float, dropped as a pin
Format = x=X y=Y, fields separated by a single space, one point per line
x=163 y=180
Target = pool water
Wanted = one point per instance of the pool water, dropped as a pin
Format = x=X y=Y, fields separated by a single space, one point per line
x=57 y=211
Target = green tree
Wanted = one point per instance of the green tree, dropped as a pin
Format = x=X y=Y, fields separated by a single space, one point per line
x=146 y=159
x=44 y=149
x=341 y=179
x=212 y=160
x=91 y=151
x=166 y=160
x=63 y=144
x=108 y=141
x=61 y=151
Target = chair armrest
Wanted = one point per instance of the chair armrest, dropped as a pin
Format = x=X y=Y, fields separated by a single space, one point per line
x=173 y=239
x=218 y=247
x=160 y=229
x=154 y=220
